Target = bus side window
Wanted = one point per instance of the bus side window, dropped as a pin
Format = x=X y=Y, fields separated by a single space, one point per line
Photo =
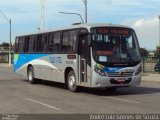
x=57 y=42
x=50 y=42
x=31 y=44
x=65 y=41
x=73 y=41
x=26 y=47
x=16 y=45
x=39 y=44
x=69 y=41
x=45 y=43
x=21 y=43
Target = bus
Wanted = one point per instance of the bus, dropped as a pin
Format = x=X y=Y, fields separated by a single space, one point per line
x=87 y=55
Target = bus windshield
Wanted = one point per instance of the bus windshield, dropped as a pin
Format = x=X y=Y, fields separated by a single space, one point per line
x=115 y=46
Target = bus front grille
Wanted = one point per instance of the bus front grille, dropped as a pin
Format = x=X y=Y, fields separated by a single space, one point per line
x=120 y=74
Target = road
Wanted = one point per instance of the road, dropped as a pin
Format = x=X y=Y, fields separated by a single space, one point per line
x=19 y=96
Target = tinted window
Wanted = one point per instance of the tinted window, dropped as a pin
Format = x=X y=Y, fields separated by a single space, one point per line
x=50 y=42
x=39 y=44
x=65 y=42
x=73 y=41
x=16 y=45
x=31 y=48
x=69 y=41
x=57 y=42
x=45 y=43
x=26 y=47
x=21 y=43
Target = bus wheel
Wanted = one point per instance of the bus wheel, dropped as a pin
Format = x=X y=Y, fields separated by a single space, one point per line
x=111 y=89
x=71 y=81
x=31 y=78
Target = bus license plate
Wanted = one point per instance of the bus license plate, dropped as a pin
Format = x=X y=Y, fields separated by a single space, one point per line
x=120 y=80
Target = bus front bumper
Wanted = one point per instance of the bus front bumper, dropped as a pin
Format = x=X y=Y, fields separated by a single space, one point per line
x=99 y=81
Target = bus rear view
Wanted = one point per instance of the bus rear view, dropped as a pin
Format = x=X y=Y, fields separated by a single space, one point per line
x=116 y=58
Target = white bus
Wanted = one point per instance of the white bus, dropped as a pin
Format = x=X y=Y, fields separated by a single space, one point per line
x=89 y=55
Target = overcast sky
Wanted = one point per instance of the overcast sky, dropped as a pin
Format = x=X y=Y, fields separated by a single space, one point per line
x=138 y=14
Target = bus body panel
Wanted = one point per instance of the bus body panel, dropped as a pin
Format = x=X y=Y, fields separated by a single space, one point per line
x=47 y=66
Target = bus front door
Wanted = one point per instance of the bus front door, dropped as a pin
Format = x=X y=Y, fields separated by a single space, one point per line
x=82 y=58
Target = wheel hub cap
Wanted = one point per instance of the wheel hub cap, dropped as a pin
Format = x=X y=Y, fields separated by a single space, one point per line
x=72 y=81
x=30 y=76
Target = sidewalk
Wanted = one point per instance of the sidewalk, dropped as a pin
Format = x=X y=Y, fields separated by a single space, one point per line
x=151 y=77
x=5 y=65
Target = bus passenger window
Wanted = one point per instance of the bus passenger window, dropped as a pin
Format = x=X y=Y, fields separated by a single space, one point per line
x=57 y=42
x=50 y=42
x=31 y=44
x=39 y=46
x=21 y=44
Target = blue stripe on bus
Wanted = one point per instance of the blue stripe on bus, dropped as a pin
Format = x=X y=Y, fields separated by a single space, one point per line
x=109 y=69
x=22 y=59
x=112 y=69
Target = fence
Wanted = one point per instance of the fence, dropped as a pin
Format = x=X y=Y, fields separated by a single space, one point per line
x=4 y=56
x=149 y=63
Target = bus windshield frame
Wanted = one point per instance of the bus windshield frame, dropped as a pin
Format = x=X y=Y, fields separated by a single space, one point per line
x=115 y=46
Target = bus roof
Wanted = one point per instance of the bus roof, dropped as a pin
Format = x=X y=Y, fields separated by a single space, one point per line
x=87 y=26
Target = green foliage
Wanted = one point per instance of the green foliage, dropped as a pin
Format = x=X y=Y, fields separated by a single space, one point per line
x=144 y=52
x=4 y=44
x=157 y=52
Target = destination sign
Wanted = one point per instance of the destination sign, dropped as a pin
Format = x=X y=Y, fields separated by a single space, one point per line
x=119 y=31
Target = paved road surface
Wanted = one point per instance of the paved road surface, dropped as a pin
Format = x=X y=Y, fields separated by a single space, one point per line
x=18 y=96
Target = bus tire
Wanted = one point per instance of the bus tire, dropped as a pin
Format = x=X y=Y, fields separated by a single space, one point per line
x=31 y=78
x=71 y=81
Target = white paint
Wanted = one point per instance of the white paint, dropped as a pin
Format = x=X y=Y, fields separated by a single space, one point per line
x=124 y=100
x=38 y=62
x=74 y=60
x=49 y=106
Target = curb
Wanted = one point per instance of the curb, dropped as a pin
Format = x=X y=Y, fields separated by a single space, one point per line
x=5 y=65
x=149 y=81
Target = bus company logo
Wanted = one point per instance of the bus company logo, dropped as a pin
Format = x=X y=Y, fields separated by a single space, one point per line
x=56 y=60
x=113 y=69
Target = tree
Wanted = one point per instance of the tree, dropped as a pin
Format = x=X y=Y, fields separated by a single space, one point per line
x=4 y=44
x=144 y=52
x=157 y=52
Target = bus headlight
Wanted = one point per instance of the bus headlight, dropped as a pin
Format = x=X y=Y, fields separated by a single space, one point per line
x=139 y=70
x=100 y=71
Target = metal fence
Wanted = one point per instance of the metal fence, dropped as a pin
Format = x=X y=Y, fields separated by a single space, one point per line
x=149 y=63
x=4 y=57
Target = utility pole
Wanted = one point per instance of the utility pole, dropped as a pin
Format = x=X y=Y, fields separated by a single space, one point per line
x=10 y=43
x=43 y=15
x=86 y=16
x=159 y=29
x=10 y=36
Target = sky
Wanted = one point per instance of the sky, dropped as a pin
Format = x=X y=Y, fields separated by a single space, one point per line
x=141 y=15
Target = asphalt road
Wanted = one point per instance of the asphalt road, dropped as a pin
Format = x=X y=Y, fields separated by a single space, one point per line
x=20 y=97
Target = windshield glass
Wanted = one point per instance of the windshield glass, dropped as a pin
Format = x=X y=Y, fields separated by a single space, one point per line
x=115 y=46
